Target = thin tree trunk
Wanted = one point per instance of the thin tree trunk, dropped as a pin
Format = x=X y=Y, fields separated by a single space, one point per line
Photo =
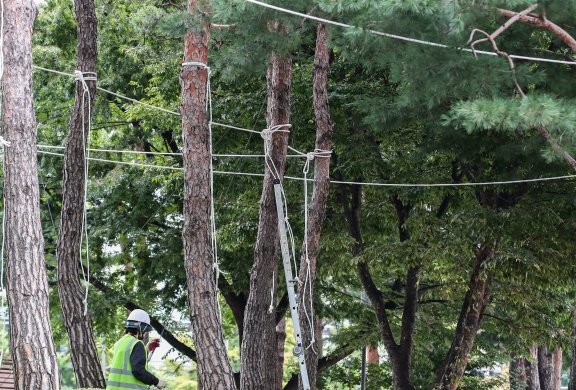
x=572 y=384
x=517 y=374
x=317 y=205
x=280 y=343
x=475 y=302
x=214 y=371
x=31 y=343
x=557 y=368
x=83 y=351
x=531 y=365
x=544 y=368
x=258 y=357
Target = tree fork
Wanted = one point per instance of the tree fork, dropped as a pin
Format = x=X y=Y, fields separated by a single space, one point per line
x=214 y=370
x=475 y=302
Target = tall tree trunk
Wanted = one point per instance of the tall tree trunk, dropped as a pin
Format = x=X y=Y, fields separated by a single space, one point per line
x=544 y=368
x=84 y=354
x=475 y=303
x=258 y=358
x=317 y=205
x=531 y=365
x=31 y=343
x=557 y=368
x=572 y=384
x=517 y=374
x=214 y=371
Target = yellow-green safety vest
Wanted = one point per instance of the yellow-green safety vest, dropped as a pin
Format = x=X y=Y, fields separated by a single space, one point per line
x=121 y=377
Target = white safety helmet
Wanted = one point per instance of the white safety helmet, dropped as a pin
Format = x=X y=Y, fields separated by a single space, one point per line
x=140 y=320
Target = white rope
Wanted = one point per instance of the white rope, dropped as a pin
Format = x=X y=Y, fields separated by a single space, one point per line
x=271 y=307
x=209 y=103
x=309 y=310
x=139 y=152
x=368 y=184
x=82 y=77
x=307 y=281
x=403 y=38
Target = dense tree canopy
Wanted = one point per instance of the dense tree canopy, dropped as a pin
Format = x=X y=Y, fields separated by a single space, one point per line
x=402 y=112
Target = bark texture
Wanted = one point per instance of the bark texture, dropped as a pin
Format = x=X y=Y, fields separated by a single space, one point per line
x=31 y=343
x=475 y=303
x=372 y=354
x=532 y=378
x=318 y=203
x=258 y=358
x=84 y=354
x=214 y=371
x=544 y=368
x=557 y=368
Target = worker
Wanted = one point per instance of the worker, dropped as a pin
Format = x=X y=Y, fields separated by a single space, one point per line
x=129 y=368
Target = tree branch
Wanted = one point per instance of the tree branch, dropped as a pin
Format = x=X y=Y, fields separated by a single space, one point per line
x=543 y=23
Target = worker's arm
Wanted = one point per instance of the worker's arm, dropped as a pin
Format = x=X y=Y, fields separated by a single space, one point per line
x=138 y=362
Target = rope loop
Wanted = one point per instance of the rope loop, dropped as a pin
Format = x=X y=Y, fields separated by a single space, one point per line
x=85 y=76
x=322 y=153
x=267 y=133
x=196 y=63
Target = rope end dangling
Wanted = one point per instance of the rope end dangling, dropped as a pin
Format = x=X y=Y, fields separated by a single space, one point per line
x=271 y=308
x=3 y=142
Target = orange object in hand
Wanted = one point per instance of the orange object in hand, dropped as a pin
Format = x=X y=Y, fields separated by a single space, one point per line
x=152 y=345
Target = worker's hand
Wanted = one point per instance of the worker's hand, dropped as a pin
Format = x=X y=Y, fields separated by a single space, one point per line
x=161 y=384
x=152 y=345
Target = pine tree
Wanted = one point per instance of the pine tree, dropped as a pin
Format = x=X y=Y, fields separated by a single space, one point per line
x=31 y=343
x=77 y=320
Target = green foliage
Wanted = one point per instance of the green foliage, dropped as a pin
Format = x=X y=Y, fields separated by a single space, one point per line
x=402 y=113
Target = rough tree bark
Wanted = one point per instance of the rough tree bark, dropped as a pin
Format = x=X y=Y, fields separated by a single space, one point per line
x=31 y=343
x=572 y=384
x=373 y=357
x=214 y=371
x=475 y=303
x=532 y=378
x=557 y=368
x=318 y=202
x=84 y=354
x=258 y=357
x=544 y=368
